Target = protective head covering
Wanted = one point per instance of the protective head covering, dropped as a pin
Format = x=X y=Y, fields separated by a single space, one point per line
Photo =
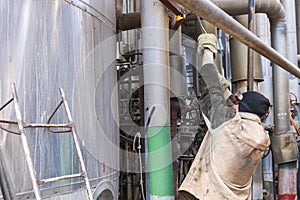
x=254 y=102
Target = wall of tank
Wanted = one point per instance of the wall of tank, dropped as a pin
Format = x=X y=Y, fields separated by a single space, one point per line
x=46 y=45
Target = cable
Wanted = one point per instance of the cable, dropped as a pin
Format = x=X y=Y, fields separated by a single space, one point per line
x=139 y=147
x=201 y=25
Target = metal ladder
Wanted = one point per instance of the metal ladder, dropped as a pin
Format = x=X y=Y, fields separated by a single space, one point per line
x=68 y=127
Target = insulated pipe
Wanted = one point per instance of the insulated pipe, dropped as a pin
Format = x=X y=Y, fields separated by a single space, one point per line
x=286 y=172
x=291 y=30
x=129 y=21
x=263 y=32
x=178 y=84
x=292 y=42
x=272 y=8
x=155 y=46
x=210 y=12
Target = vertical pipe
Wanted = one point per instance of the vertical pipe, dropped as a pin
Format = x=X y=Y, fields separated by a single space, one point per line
x=251 y=20
x=292 y=42
x=263 y=32
x=291 y=168
x=286 y=172
x=178 y=86
x=257 y=175
x=298 y=25
x=154 y=21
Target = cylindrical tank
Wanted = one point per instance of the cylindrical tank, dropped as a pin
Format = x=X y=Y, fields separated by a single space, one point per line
x=50 y=44
x=239 y=58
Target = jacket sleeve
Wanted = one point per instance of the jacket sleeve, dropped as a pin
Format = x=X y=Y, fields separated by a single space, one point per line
x=212 y=102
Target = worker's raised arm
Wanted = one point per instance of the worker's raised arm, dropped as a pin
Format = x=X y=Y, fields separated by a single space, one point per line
x=212 y=101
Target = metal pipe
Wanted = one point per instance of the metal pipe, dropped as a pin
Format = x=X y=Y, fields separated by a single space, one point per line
x=25 y=145
x=178 y=84
x=210 y=12
x=155 y=46
x=272 y=8
x=298 y=25
x=263 y=32
x=251 y=22
x=286 y=172
x=129 y=21
x=291 y=30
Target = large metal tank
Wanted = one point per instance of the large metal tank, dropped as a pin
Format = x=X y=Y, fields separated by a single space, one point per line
x=47 y=44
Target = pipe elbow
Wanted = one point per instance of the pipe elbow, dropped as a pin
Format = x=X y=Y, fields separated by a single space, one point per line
x=273 y=9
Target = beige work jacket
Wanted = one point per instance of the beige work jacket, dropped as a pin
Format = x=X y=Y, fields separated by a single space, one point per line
x=226 y=160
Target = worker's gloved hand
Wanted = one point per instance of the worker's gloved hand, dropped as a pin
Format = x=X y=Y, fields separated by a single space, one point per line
x=208 y=41
x=223 y=82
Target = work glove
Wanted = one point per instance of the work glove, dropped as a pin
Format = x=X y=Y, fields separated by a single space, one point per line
x=208 y=41
x=223 y=82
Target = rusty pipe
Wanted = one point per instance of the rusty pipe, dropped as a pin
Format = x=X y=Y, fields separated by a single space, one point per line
x=129 y=21
x=213 y=14
x=126 y=21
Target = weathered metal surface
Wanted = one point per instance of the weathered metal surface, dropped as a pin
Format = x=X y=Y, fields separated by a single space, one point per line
x=50 y=44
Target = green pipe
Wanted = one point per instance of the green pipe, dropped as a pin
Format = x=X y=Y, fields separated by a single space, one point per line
x=160 y=163
x=156 y=70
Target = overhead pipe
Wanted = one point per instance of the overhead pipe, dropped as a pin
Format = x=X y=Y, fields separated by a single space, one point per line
x=215 y=15
x=273 y=9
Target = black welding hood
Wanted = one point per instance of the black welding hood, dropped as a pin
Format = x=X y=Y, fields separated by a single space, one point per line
x=254 y=102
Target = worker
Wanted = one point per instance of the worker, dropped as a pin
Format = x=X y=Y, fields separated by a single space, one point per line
x=235 y=141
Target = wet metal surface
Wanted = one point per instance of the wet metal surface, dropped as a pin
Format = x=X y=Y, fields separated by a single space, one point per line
x=50 y=44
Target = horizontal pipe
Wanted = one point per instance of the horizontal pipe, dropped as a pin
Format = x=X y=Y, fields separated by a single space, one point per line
x=129 y=21
x=213 y=14
x=272 y=8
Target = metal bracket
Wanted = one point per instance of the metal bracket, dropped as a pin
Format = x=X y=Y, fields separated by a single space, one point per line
x=178 y=10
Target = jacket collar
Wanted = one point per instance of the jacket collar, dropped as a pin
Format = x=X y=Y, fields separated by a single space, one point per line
x=250 y=116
